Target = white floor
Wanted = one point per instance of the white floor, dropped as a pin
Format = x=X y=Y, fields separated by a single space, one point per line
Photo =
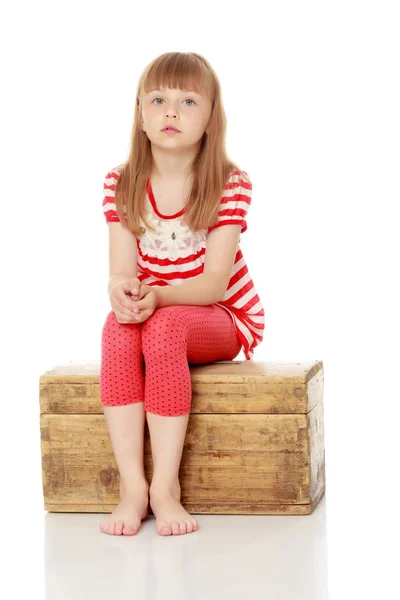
x=232 y=557
x=348 y=546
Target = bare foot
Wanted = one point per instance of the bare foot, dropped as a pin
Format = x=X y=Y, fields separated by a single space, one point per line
x=171 y=517
x=127 y=517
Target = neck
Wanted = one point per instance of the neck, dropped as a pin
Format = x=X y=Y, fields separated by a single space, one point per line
x=173 y=166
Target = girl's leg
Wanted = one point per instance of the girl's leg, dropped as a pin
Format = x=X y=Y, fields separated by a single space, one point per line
x=173 y=337
x=122 y=393
x=121 y=369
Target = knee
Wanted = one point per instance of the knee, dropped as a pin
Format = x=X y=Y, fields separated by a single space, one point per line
x=119 y=333
x=110 y=321
x=164 y=330
x=110 y=324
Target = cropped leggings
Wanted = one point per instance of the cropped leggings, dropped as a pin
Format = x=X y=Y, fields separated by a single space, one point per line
x=149 y=362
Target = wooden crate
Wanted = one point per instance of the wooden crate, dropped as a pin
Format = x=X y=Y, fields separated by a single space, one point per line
x=254 y=443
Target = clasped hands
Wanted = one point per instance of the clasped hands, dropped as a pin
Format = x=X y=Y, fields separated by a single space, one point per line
x=132 y=301
x=144 y=302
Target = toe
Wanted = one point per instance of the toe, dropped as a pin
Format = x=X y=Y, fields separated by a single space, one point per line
x=118 y=527
x=182 y=527
x=107 y=528
x=175 y=528
x=189 y=526
x=129 y=530
x=111 y=528
x=164 y=528
x=195 y=524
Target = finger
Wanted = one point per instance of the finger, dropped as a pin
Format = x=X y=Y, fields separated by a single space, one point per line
x=131 y=319
x=141 y=305
x=139 y=301
x=137 y=309
x=125 y=311
x=139 y=317
x=136 y=289
x=142 y=292
x=137 y=304
x=130 y=306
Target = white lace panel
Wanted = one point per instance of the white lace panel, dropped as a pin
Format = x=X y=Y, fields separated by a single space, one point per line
x=172 y=238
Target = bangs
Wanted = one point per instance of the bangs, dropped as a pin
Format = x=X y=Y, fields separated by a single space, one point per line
x=178 y=71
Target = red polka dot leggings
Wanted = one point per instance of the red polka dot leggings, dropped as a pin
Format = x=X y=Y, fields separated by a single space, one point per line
x=149 y=362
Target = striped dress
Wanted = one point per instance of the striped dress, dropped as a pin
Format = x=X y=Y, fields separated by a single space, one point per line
x=174 y=253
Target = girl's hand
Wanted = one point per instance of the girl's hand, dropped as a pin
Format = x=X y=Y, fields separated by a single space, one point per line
x=145 y=303
x=122 y=291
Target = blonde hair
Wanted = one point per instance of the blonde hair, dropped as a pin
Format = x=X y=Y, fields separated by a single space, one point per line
x=211 y=167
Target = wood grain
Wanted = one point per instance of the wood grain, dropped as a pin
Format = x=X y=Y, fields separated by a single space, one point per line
x=254 y=443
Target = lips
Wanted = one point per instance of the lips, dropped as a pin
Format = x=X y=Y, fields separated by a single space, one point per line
x=170 y=129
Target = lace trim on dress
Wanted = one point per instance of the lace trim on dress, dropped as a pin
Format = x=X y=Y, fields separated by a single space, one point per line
x=172 y=239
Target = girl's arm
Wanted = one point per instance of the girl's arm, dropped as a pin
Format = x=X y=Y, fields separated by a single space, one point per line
x=210 y=286
x=202 y=290
x=122 y=254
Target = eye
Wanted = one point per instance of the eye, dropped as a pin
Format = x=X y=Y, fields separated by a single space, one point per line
x=187 y=100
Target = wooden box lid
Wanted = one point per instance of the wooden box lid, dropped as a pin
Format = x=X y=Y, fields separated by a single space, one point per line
x=238 y=386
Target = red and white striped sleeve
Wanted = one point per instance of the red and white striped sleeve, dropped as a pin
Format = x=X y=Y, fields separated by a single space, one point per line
x=109 y=208
x=235 y=202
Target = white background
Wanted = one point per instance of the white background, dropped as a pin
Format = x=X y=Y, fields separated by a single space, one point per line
x=311 y=92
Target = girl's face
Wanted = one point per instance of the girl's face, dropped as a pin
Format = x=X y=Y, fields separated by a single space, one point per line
x=187 y=111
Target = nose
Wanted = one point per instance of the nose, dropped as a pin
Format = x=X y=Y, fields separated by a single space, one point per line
x=171 y=112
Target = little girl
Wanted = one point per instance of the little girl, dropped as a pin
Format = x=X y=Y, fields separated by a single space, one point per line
x=179 y=286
